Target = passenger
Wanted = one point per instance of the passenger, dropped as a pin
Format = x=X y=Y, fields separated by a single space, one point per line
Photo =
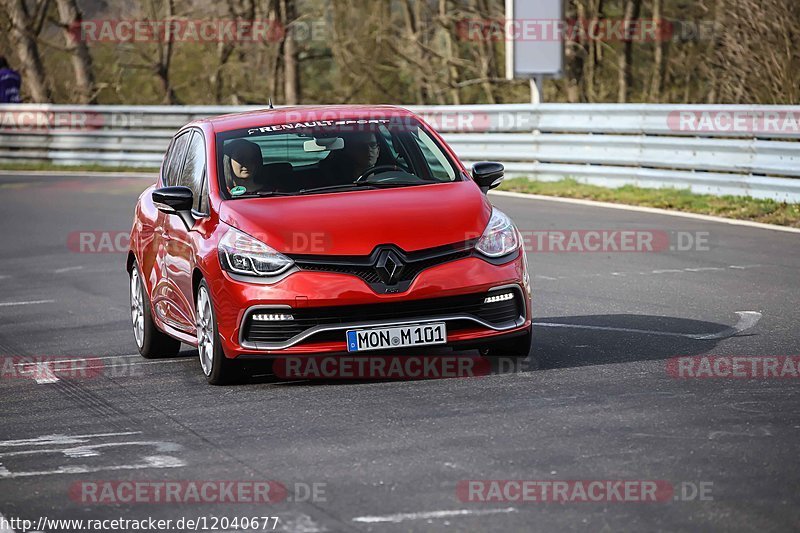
x=243 y=165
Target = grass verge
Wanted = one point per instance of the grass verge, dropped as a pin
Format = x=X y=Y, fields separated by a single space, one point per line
x=738 y=207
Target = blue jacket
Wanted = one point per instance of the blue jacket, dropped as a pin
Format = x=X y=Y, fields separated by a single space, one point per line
x=9 y=86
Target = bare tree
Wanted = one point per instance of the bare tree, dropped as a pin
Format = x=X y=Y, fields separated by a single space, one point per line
x=291 y=85
x=70 y=18
x=24 y=29
x=632 y=10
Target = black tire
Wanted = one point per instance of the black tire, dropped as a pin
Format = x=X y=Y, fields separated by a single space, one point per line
x=219 y=370
x=153 y=343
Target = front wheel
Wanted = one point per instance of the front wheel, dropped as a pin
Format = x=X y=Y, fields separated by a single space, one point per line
x=151 y=342
x=218 y=369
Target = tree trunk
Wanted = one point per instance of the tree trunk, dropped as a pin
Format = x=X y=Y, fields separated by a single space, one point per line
x=33 y=74
x=164 y=62
x=81 y=59
x=291 y=80
x=632 y=10
x=450 y=68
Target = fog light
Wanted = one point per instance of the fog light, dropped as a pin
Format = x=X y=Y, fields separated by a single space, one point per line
x=498 y=298
x=269 y=317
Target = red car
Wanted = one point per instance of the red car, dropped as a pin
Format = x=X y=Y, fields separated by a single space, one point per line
x=327 y=229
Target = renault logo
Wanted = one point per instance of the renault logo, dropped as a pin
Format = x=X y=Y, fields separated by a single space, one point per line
x=389 y=267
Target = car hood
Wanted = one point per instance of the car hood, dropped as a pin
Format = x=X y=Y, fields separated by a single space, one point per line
x=355 y=222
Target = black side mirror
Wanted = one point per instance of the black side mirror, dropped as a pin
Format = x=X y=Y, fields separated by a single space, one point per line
x=487 y=174
x=175 y=201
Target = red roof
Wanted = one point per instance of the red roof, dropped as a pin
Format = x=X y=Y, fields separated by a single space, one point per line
x=286 y=115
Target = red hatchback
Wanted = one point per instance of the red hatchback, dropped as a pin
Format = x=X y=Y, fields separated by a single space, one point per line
x=313 y=230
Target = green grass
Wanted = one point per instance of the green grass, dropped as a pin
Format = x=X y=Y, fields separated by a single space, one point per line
x=74 y=168
x=738 y=207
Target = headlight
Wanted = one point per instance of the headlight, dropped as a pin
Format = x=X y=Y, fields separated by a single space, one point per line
x=500 y=236
x=240 y=253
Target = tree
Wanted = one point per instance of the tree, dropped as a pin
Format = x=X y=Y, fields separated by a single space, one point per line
x=81 y=59
x=24 y=29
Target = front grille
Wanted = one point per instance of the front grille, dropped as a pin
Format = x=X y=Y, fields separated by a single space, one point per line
x=367 y=273
x=365 y=266
x=498 y=314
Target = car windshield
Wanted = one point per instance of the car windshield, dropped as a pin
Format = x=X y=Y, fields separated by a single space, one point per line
x=330 y=156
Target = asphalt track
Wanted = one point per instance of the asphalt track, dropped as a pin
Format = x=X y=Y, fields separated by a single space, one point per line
x=595 y=403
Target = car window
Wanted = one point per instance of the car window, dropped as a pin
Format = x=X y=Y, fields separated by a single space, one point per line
x=172 y=167
x=440 y=167
x=194 y=170
x=305 y=157
x=289 y=148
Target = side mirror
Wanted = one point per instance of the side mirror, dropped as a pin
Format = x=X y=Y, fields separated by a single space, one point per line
x=487 y=175
x=175 y=201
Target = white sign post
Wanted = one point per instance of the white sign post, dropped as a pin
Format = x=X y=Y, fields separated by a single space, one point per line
x=534 y=41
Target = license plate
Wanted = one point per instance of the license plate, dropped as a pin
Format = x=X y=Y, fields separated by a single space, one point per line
x=359 y=340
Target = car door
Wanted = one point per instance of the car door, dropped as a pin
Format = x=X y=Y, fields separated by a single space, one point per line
x=182 y=240
x=159 y=250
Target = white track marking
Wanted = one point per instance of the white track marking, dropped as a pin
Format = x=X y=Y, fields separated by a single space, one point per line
x=650 y=273
x=154 y=461
x=55 y=440
x=149 y=363
x=31 y=302
x=44 y=375
x=651 y=210
x=160 y=455
x=67 y=269
x=91 y=450
x=46 y=363
x=401 y=517
x=69 y=359
x=747 y=319
x=301 y=523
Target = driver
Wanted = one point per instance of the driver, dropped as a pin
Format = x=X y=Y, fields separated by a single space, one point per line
x=360 y=152
x=363 y=151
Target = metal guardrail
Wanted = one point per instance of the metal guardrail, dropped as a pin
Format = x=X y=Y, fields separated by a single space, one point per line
x=737 y=150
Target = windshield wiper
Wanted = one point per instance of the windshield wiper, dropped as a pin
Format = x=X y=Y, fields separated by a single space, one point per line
x=360 y=185
x=264 y=194
x=343 y=186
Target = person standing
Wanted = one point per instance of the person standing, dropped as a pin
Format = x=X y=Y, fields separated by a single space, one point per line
x=9 y=83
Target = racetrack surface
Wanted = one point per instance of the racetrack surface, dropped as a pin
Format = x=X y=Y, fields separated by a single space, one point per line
x=595 y=402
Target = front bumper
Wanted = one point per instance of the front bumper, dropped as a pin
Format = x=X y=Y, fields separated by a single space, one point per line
x=327 y=304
